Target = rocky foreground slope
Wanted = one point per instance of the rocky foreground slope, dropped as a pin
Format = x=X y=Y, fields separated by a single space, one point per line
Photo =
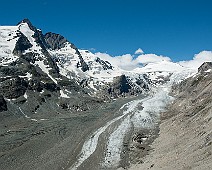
x=185 y=139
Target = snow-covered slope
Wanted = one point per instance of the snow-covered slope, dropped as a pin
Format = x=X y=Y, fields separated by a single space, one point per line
x=16 y=41
x=8 y=39
x=99 y=72
x=159 y=72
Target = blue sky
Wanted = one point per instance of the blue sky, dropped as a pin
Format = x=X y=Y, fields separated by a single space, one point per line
x=174 y=28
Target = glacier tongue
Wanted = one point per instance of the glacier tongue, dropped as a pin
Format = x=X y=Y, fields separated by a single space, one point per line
x=132 y=114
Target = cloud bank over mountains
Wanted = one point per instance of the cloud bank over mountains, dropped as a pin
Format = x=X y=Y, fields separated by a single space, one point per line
x=130 y=62
x=204 y=56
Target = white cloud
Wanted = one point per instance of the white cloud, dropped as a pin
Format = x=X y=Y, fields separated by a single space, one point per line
x=198 y=60
x=125 y=62
x=139 y=51
x=128 y=62
x=151 y=58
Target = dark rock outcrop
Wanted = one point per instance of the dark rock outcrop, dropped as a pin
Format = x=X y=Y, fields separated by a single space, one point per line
x=33 y=56
x=3 y=104
x=39 y=37
x=105 y=64
x=55 y=41
x=119 y=86
x=82 y=64
x=21 y=45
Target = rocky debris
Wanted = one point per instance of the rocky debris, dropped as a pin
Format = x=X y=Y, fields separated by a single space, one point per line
x=9 y=70
x=3 y=104
x=205 y=67
x=13 y=87
x=70 y=85
x=80 y=104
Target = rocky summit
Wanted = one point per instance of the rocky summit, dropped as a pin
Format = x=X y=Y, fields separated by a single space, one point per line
x=66 y=108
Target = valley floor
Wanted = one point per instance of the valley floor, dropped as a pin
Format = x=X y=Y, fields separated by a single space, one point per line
x=54 y=143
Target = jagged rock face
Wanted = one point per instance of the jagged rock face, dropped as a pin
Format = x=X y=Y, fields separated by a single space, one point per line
x=10 y=71
x=24 y=44
x=26 y=20
x=105 y=64
x=205 y=67
x=82 y=64
x=55 y=41
x=3 y=104
x=21 y=45
x=39 y=37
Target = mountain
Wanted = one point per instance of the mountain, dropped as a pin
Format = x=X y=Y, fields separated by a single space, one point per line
x=53 y=96
x=37 y=68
